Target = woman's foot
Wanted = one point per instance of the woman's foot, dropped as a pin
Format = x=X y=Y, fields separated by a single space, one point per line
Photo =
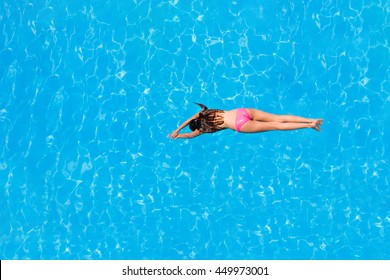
x=316 y=125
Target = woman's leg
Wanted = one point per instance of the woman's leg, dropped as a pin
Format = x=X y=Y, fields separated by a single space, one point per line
x=257 y=126
x=262 y=116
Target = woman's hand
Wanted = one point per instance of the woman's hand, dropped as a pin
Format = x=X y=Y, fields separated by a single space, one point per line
x=173 y=135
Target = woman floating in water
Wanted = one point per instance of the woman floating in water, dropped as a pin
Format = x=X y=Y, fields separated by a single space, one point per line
x=241 y=120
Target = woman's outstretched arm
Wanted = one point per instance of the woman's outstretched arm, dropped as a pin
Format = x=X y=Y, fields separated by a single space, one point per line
x=188 y=135
x=175 y=134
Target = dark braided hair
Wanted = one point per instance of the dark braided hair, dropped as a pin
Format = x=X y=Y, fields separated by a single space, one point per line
x=209 y=120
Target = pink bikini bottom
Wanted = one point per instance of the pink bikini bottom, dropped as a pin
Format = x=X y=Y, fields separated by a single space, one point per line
x=242 y=118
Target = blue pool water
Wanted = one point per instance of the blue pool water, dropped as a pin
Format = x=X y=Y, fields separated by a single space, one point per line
x=90 y=89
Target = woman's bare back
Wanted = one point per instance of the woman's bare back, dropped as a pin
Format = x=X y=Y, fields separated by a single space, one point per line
x=230 y=119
